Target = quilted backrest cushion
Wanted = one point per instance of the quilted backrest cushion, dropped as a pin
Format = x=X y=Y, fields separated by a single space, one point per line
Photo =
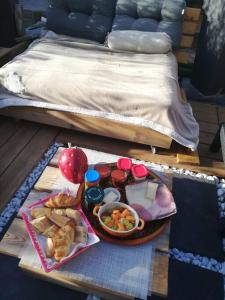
x=89 y=19
x=151 y=15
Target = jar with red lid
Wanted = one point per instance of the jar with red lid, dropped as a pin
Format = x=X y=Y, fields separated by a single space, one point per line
x=119 y=178
x=104 y=172
x=139 y=172
x=124 y=164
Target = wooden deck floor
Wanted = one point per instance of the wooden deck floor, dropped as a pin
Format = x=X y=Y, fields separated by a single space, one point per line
x=23 y=143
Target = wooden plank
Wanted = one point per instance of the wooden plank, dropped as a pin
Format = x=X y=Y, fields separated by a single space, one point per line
x=211 y=117
x=160 y=282
x=185 y=56
x=192 y=14
x=205 y=113
x=186 y=41
x=190 y=27
x=204 y=151
x=208 y=127
x=10 y=150
x=119 y=147
x=24 y=163
x=203 y=107
x=221 y=114
x=15 y=239
x=100 y=126
x=188 y=158
x=8 y=128
x=52 y=181
x=206 y=138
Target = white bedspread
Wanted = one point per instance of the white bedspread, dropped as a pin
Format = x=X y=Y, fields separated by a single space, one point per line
x=65 y=74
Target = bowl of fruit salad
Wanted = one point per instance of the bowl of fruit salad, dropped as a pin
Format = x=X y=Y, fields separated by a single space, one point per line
x=118 y=219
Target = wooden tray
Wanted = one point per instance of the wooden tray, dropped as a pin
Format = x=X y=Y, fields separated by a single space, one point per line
x=152 y=229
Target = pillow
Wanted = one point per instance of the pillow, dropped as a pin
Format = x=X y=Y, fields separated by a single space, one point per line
x=140 y=42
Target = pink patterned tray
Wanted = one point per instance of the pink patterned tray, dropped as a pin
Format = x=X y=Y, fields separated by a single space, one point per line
x=38 y=241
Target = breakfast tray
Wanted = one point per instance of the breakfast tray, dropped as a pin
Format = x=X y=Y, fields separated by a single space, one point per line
x=151 y=230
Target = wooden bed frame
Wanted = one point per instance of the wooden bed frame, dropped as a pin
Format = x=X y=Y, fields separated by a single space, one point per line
x=90 y=124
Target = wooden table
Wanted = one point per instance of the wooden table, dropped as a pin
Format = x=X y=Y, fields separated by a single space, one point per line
x=17 y=243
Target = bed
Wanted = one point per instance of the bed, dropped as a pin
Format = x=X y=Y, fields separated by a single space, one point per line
x=82 y=84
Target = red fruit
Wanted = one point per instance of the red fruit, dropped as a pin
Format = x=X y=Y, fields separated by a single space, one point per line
x=73 y=164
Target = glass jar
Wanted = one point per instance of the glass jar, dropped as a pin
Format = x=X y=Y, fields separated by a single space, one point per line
x=92 y=178
x=124 y=164
x=139 y=172
x=93 y=196
x=119 y=178
x=104 y=172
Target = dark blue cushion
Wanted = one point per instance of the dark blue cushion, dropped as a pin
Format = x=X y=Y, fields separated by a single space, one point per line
x=89 y=19
x=150 y=15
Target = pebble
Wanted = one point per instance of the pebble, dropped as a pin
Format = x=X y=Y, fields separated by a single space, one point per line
x=196 y=262
x=190 y=255
x=205 y=261
x=220 y=192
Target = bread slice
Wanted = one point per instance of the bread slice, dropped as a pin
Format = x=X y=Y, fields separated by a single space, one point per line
x=38 y=212
x=41 y=224
x=61 y=200
x=58 y=220
x=51 y=231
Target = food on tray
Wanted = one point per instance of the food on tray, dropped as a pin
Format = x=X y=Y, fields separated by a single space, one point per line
x=58 y=220
x=40 y=212
x=151 y=200
x=41 y=224
x=74 y=214
x=61 y=200
x=81 y=235
x=63 y=240
x=119 y=219
x=139 y=172
x=151 y=190
x=51 y=231
x=62 y=227
x=49 y=248
x=68 y=212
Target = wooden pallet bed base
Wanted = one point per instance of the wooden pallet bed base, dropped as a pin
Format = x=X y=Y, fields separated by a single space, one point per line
x=84 y=123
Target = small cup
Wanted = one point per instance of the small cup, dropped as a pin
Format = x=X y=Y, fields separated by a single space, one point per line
x=124 y=164
x=139 y=172
x=92 y=178
x=119 y=178
x=111 y=190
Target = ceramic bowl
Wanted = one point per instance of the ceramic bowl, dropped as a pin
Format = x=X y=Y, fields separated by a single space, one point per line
x=99 y=210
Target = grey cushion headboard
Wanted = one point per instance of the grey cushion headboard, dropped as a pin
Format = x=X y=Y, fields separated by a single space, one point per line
x=92 y=19
x=151 y=15
x=89 y=19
